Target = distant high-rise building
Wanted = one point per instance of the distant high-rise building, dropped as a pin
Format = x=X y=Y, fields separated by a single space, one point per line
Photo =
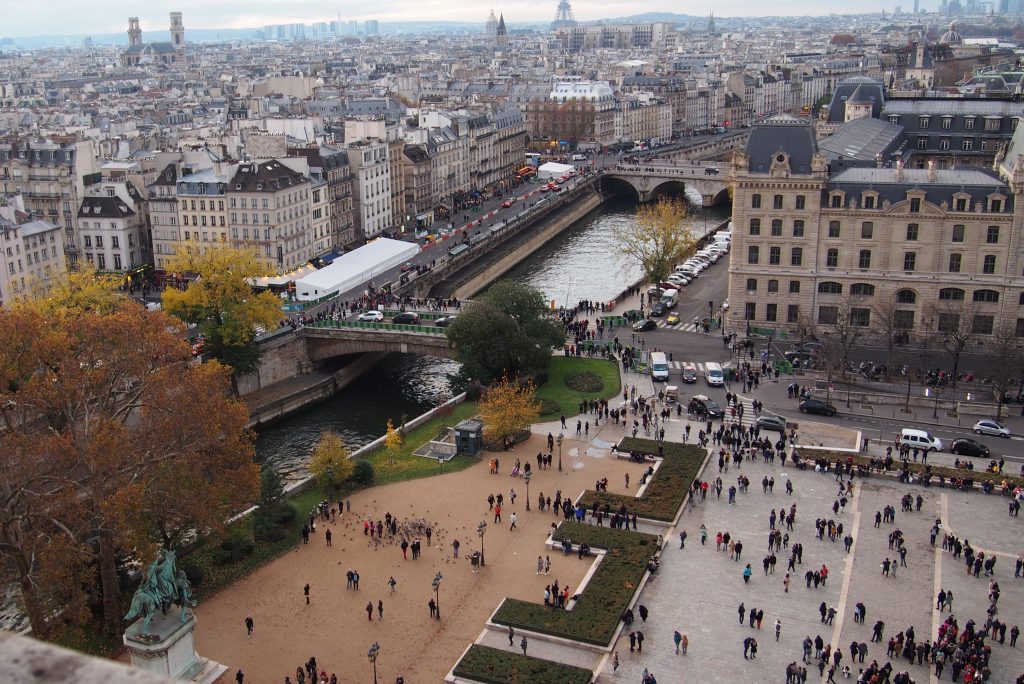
x=372 y=27
x=563 y=16
x=353 y=28
x=917 y=6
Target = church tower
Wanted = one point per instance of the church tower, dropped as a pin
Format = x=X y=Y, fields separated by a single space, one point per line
x=501 y=35
x=134 y=32
x=177 y=33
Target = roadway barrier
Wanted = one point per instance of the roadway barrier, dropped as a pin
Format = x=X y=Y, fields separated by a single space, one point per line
x=370 y=325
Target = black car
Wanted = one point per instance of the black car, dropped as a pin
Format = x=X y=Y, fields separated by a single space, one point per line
x=968 y=447
x=444 y=321
x=659 y=309
x=406 y=318
x=776 y=423
x=703 y=406
x=796 y=356
x=817 y=406
x=644 y=325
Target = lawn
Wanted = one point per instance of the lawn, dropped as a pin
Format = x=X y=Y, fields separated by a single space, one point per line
x=665 y=492
x=555 y=391
x=495 y=666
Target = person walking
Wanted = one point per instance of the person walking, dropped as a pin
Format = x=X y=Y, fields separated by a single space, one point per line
x=678 y=639
x=639 y=641
x=392 y=583
x=327 y=536
x=511 y=636
x=380 y=610
x=522 y=645
x=239 y=677
x=369 y=611
x=248 y=625
x=305 y=590
x=778 y=628
x=513 y=519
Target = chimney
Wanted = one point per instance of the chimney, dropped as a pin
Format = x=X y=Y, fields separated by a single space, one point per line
x=899 y=171
x=932 y=173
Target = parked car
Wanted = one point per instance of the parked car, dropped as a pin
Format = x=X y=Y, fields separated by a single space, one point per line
x=968 y=447
x=817 y=406
x=445 y=321
x=794 y=356
x=507 y=203
x=644 y=325
x=406 y=318
x=407 y=266
x=711 y=171
x=371 y=316
x=776 y=423
x=991 y=427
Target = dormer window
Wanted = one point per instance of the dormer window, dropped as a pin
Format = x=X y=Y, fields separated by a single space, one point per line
x=969 y=123
x=995 y=206
x=924 y=122
x=870 y=199
x=915 y=205
x=836 y=200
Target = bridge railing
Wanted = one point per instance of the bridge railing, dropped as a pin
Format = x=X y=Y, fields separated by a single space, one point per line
x=383 y=327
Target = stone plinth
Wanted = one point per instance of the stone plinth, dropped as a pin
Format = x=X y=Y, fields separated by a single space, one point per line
x=169 y=650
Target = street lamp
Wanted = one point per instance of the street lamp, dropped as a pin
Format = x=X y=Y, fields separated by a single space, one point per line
x=437 y=592
x=372 y=655
x=560 y=452
x=526 y=478
x=480 y=530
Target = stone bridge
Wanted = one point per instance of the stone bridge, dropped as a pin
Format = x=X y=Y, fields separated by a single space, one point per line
x=649 y=180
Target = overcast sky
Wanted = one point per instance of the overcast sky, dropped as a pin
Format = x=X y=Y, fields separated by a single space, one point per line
x=54 y=17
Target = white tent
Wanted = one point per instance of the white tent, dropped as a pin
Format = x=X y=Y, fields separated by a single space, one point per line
x=554 y=170
x=355 y=268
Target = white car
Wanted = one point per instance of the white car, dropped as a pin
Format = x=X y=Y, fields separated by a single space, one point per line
x=991 y=427
x=371 y=316
x=678 y=280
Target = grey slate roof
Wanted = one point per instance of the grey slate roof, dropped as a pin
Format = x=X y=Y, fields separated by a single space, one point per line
x=862 y=139
x=867 y=87
x=781 y=133
x=977 y=182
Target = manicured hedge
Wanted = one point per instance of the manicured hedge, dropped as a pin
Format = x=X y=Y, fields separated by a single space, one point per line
x=664 y=494
x=597 y=612
x=947 y=472
x=495 y=666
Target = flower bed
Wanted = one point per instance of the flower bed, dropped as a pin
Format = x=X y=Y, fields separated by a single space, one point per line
x=665 y=492
x=596 y=614
x=495 y=666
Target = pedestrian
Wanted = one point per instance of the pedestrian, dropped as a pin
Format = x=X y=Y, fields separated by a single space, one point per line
x=327 y=536
x=239 y=677
x=678 y=639
x=433 y=608
x=455 y=549
x=639 y=641
x=380 y=610
x=615 y=658
x=778 y=628
x=742 y=611
x=369 y=611
x=522 y=644
x=682 y=539
x=391 y=583
x=511 y=636
x=685 y=644
x=642 y=609
x=305 y=590
x=632 y=642
x=513 y=519
x=248 y=625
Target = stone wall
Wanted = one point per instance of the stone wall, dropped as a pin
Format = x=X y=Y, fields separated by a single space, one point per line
x=284 y=357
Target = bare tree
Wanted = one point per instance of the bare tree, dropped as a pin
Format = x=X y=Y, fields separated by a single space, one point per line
x=844 y=333
x=890 y=326
x=955 y=322
x=1006 y=354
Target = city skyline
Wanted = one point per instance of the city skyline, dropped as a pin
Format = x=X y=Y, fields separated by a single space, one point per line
x=63 y=17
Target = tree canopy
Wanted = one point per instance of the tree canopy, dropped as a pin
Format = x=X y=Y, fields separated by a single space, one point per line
x=331 y=464
x=224 y=305
x=505 y=331
x=508 y=407
x=114 y=440
x=657 y=239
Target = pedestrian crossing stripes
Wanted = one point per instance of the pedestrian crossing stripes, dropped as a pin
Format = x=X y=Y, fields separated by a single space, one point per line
x=689 y=326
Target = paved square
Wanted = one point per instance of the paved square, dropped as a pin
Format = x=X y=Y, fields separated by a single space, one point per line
x=698 y=590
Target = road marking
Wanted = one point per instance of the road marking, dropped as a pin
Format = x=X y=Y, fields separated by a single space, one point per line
x=847 y=571
x=937 y=584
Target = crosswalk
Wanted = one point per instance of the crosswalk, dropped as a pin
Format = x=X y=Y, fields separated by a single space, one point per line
x=684 y=326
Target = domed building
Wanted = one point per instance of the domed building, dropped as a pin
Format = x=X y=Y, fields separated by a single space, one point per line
x=491 y=27
x=951 y=37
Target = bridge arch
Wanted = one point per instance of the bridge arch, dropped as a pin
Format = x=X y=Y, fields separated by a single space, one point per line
x=613 y=186
x=667 y=188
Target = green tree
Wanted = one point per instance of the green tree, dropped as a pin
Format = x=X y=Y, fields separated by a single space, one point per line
x=222 y=302
x=331 y=464
x=504 y=332
x=657 y=239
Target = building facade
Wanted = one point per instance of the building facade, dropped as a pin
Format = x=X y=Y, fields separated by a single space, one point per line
x=112 y=220
x=269 y=208
x=31 y=252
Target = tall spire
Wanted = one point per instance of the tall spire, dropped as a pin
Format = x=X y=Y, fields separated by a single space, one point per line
x=711 y=23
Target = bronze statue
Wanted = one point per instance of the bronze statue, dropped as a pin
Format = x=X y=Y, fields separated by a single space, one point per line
x=162 y=585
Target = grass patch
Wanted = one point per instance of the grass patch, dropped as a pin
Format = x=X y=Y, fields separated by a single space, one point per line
x=586 y=381
x=596 y=615
x=495 y=666
x=665 y=492
x=407 y=466
x=979 y=476
x=568 y=400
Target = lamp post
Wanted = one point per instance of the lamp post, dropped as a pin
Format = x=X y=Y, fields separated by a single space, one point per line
x=560 y=452
x=372 y=655
x=526 y=478
x=437 y=593
x=480 y=530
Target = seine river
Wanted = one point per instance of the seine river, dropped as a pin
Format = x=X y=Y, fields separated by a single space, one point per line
x=581 y=263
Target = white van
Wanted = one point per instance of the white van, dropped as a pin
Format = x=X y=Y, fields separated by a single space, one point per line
x=920 y=439
x=669 y=298
x=713 y=374
x=659 y=366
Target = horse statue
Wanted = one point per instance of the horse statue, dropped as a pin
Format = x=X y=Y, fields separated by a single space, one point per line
x=162 y=585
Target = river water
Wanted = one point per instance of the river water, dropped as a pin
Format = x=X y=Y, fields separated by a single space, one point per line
x=581 y=263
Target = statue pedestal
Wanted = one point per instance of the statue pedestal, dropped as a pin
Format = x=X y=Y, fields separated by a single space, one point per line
x=170 y=652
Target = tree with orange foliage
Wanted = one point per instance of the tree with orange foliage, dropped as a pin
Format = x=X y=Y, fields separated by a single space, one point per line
x=508 y=407
x=114 y=440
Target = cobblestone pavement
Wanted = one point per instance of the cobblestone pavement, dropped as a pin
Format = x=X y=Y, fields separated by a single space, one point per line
x=698 y=590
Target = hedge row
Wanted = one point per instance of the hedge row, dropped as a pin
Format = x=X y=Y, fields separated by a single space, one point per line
x=665 y=492
x=947 y=472
x=596 y=615
x=495 y=666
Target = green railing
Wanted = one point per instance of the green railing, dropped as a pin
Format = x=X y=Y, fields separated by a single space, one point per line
x=369 y=325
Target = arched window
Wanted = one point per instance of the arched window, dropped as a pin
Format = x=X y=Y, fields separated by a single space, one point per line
x=830 y=288
x=906 y=297
x=951 y=293
x=862 y=290
x=986 y=296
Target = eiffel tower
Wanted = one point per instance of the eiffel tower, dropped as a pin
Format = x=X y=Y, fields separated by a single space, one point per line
x=563 y=17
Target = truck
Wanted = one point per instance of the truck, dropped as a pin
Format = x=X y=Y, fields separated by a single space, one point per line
x=670 y=298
